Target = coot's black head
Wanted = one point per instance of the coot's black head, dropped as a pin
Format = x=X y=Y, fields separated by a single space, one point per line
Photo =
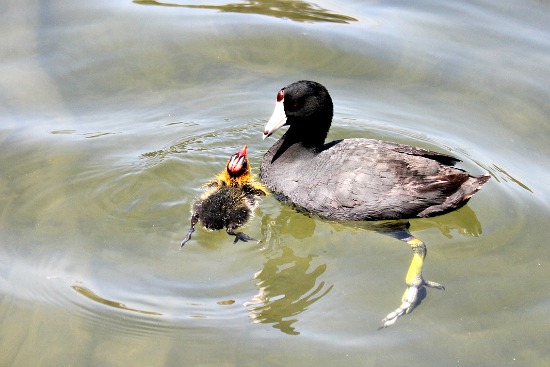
x=307 y=107
x=238 y=164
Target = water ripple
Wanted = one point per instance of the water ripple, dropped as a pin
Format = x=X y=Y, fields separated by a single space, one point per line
x=96 y=298
x=298 y=11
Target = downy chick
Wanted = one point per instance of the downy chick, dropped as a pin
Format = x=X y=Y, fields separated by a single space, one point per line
x=229 y=201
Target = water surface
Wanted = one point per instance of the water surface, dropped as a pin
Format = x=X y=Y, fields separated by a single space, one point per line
x=112 y=116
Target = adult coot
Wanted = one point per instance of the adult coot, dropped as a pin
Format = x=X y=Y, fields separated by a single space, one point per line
x=358 y=179
x=229 y=201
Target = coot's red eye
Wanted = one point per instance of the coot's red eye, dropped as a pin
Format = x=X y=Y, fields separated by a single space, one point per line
x=280 y=95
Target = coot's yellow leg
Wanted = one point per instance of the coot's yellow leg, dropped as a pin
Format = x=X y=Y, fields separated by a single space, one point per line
x=413 y=280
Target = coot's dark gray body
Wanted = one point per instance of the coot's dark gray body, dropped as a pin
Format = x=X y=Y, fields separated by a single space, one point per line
x=355 y=179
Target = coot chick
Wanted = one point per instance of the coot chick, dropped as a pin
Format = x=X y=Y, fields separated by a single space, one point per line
x=229 y=201
x=358 y=179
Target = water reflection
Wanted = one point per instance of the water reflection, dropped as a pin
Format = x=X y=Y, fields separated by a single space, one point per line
x=286 y=288
x=286 y=222
x=287 y=285
x=299 y=11
x=463 y=221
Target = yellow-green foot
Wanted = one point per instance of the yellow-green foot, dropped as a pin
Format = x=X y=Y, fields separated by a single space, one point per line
x=413 y=280
x=410 y=297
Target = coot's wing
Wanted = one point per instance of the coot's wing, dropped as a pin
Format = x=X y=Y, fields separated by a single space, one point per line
x=364 y=179
x=442 y=158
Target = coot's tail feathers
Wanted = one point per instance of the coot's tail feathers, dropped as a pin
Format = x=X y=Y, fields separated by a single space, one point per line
x=475 y=184
x=468 y=188
x=447 y=183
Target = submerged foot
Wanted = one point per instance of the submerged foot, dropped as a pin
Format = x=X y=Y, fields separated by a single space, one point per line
x=409 y=300
x=240 y=236
x=187 y=238
x=243 y=237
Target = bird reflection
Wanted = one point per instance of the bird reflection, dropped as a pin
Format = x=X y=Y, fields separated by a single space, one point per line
x=299 y=11
x=463 y=221
x=287 y=285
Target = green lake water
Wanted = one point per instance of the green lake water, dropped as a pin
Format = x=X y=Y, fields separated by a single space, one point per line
x=114 y=113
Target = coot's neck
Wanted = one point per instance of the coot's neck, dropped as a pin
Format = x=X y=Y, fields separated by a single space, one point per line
x=310 y=133
x=307 y=142
x=297 y=150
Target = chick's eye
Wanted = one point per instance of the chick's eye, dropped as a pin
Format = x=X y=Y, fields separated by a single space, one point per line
x=295 y=103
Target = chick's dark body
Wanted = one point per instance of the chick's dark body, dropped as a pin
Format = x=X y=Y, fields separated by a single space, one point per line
x=225 y=207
